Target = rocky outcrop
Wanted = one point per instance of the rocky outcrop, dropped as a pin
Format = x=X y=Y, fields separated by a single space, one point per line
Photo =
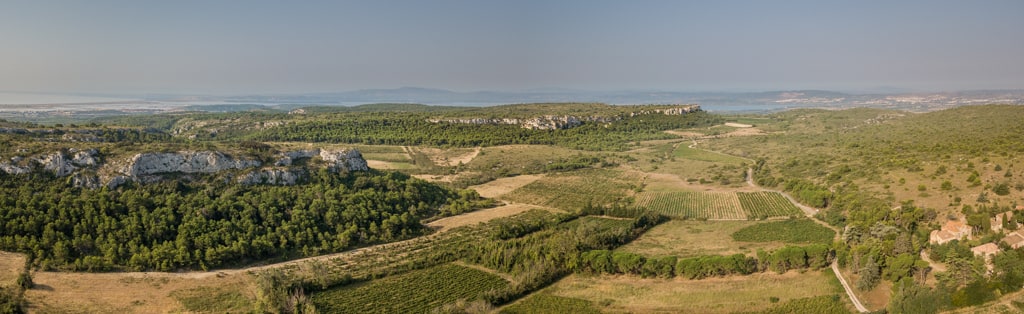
x=10 y=168
x=287 y=158
x=86 y=169
x=561 y=122
x=344 y=160
x=272 y=177
x=184 y=162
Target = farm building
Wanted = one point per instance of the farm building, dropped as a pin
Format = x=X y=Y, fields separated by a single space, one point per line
x=997 y=222
x=985 y=250
x=952 y=230
x=1014 y=240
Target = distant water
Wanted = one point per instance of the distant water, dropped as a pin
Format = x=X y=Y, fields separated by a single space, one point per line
x=41 y=99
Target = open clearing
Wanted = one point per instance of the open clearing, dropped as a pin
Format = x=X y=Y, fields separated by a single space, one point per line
x=503 y=186
x=479 y=216
x=388 y=165
x=449 y=157
x=11 y=265
x=120 y=292
x=714 y=295
x=694 y=238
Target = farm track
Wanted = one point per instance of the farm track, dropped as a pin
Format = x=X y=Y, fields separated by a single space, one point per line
x=809 y=212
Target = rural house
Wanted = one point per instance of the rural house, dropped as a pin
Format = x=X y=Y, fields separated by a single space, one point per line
x=952 y=230
x=1014 y=240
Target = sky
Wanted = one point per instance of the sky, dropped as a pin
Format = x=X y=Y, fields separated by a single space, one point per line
x=266 y=47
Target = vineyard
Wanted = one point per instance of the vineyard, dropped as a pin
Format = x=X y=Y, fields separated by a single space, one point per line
x=693 y=205
x=718 y=205
x=766 y=205
x=418 y=291
x=795 y=231
x=573 y=190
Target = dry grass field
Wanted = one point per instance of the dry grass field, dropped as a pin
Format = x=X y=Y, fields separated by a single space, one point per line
x=125 y=292
x=693 y=238
x=630 y=294
x=11 y=265
x=504 y=186
x=483 y=215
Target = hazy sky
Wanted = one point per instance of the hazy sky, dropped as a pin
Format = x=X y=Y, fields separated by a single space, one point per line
x=313 y=46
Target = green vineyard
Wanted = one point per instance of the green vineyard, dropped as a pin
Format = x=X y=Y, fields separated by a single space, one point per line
x=693 y=205
x=419 y=291
x=766 y=205
x=718 y=205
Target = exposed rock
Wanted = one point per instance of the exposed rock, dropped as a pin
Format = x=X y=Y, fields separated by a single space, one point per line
x=85 y=158
x=58 y=163
x=271 y=176
x=116 y=181
x=344 y=160
x=13 y=169
x=85 y=181
x=183 y=162
x=287 y=158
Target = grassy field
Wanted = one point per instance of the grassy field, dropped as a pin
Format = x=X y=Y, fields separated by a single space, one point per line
x=139 y=293
x=697 y=154
x=573 y=190
x=716 y=295
x=415 y=292
x=694 y=238
x=11 y=265
x=795 y=231
x=540 y=303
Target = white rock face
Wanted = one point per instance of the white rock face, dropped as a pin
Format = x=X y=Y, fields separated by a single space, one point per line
x=344 y=160
x=85 y=158
x=271 y=176
x=56 y=162
x=13 y=169
x=184 y=162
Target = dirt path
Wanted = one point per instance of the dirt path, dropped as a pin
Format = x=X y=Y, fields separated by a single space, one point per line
x=856 y=302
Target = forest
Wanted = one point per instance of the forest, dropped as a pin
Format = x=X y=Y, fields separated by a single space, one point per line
x=175 y=225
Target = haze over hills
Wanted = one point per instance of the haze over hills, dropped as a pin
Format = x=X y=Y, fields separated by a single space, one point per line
x=41 y=106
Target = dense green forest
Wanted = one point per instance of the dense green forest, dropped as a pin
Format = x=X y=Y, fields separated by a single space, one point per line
x=176 y=224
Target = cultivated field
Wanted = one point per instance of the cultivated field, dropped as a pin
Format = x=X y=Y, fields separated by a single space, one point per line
x=418 y=291
x=714 y=295
x=693 y=205
x=766 y=205
x=573 y=190
x=694 y=238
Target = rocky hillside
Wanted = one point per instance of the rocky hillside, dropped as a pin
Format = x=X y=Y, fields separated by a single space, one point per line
x=88 y=167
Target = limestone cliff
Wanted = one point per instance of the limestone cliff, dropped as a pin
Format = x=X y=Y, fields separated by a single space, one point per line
x=86 y=169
